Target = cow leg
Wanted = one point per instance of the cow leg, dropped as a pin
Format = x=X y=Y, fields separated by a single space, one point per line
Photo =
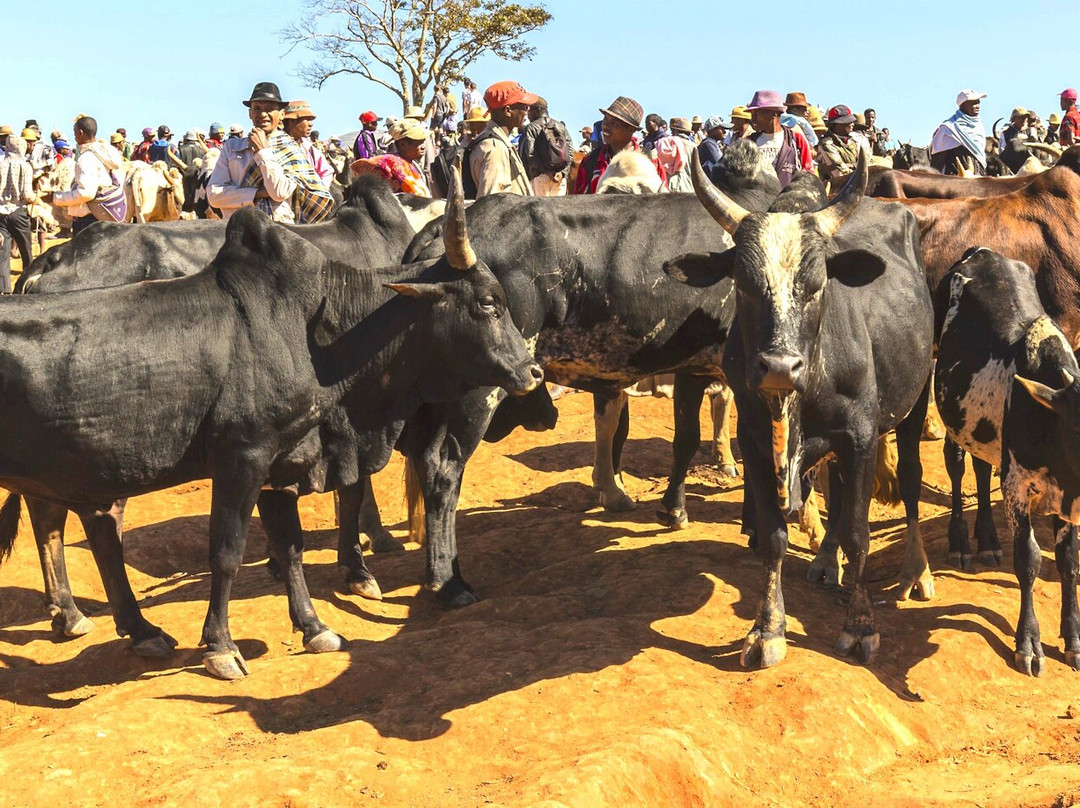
x=369 y=522
x=104 y=531
x=1065 y=554
x=281 y=520
x=720 y=404
x=859 y=638
x=358 y=579
x=236 y=485
x=611 y=415
x=48 y=521
x=915 y=574
x=959 y=548
x=765 y=645
x=1027 y=558
x=810 y=519
x=826 y=567
x=989 y=547
x=689 y=391
x=749 y=510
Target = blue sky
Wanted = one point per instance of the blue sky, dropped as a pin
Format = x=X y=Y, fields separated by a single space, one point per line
x=186 y=66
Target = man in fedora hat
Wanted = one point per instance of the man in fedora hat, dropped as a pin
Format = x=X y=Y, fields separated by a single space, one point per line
x=494 y=163
x=267 y=168
x=621 y=122
x=297 y=122
x=697 y=131
x=1069 y=130
x=787 y=149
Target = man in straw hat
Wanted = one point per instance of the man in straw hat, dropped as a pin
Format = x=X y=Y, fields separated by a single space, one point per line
x=621 y=122
x=297 y=122
x=476 y=121
x=267 y=169
x=402 y=169
x=740 y=125
x=494 y=163
x=787 y=149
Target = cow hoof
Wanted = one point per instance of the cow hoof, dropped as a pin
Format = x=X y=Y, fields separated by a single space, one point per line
x=618 y=504
x=80 y=628
x=227 y=665
x=274 y=569
x=729 y=470
x=825 y=570
x=861 y=648
x=455 y=594
x=1072 y=659
x=155 y=647
x=762 y=652
x=1030 y=664
x=365 y=588
x=962 y=561
x=991 y=558
x=921 y=587
x=324 y=641
x=384 y=542
x=675 y=519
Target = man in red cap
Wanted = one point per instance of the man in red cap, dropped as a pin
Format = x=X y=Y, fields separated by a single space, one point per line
x=1069 y=133
x=366 y=145
x=838 y=149
x=495 y=166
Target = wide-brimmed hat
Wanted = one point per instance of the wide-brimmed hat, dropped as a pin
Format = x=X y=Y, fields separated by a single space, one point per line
x=6 y=130
x=368 y=117
x=626 y=110
x=813 y=117
x=740 y=113
x=840 y=114
x=29 y=134
x=680 y=125
x=504 y=93
x=968 y=95
x=696 y=119
x=191 y=136
x=766 y=99
x=1053 y=119
x=295 y=110
x=114 y=138
x=477 y=115
x=414 y=112
x=796 y=100
x=408 y=128
x=1069 y=94
x=265 y=91
x=1019 y=112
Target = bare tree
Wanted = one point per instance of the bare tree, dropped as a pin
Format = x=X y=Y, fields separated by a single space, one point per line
x=407 y=46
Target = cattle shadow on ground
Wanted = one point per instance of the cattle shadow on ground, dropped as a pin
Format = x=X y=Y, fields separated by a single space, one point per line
x=642 y=457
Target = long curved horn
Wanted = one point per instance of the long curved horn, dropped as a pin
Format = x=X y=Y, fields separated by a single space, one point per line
x=459 y=252
x=830 y=219
x=994 y=128
x=728 y=214
x=1049 y=148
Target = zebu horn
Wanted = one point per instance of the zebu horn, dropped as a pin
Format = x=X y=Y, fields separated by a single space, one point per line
x=459 y=252
x=728 y=214
x=1067 y=377
x=830 y=219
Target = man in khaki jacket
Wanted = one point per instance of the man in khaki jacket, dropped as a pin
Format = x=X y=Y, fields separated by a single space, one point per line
x=494 y=161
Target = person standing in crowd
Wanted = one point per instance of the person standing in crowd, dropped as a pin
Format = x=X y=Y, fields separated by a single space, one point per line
x=267 y=168
x=1053 y=124
x=161 y=149
x=546 y=151
x=191 y=150
x=16 y=192
x=711 y=149
x=1069 y=129
x=469 y=97
x=127 y=147
x=98 y=168
x=116 y=140
x=961 y=136
x=796 y=106
x=450 y=122
x=236 y=132
x=873 y=134
x=787 y=149
x=839 y=151
x=674 y=152
x=40 y=155
x=655 y=128
x=622 y=120
x=476 y=122
x=1017 y=128
x=215 y=138
x=858 y=132
x=297 y=121
x=438 y=107
x=586 y=144
x=402 y=169
x=697 y=133
x=366 y=145
x=740 y=125
x=141 y=152
x=494 y=163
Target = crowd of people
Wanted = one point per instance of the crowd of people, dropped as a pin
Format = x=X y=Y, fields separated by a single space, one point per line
x=506 y=138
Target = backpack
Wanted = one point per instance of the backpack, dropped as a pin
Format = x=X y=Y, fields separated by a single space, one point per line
x=468 y=184
x=552 y=149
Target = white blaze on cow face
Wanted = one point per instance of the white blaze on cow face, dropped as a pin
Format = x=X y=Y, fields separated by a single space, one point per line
x=780 y=242
x=1043 y=329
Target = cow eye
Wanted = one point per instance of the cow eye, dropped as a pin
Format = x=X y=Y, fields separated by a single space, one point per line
x=488 y=306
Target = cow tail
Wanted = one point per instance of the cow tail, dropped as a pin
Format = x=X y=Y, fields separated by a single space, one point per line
x=9 y=524
x=414 y=499
x=886 y=484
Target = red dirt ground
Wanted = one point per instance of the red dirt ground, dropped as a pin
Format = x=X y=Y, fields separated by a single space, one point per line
x=601 y=668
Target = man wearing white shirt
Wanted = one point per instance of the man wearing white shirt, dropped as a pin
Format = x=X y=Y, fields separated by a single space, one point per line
x=230 y=186
x=99 y=166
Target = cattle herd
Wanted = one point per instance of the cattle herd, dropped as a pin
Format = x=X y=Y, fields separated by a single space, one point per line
x=282 y=360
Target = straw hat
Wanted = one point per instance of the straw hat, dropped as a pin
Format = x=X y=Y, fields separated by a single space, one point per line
x=408 y=129
x=478 y=115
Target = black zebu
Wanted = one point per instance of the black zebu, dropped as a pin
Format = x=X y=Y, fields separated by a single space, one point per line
x=831 y=348
x=272 y=366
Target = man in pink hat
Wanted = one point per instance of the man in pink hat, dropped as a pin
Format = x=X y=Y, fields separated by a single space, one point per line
x=1069 y=132
x=787 y=149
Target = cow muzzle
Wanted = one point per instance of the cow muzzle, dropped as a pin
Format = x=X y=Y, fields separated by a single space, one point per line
x=527 y=380
x=777 y=372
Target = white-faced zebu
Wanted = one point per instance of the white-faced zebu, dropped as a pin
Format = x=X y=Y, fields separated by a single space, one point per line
x=274 y=365
x=1008 y=392
x=830 y=348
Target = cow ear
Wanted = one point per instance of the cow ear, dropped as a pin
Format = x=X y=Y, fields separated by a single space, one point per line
x=1047 y=396
x=701 y=269
x=854 y=267
x=429 y=291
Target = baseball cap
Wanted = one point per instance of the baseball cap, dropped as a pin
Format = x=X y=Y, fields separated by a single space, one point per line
x=968 y=95
x=504 y=93
x=1019 y=112
x=714 y=121
x=236 y=129
x=216 y=128
x=840 y=114
x=61 y=144
x=368 y=117
x=29 y=134
x=114 y=138
x=1069 y=94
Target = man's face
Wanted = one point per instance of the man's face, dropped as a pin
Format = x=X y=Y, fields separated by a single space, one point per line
x=765 y=120
x=266 y=115
x=371 y=126
x=476 y=127
x=842 y=129
x=616 y=133
x=516 y=113
x=971 y=107
x=651 y=125
x=885 y=133
x=797 y=109
x=871 y=116
x=1065 y=103
x=302 y=127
